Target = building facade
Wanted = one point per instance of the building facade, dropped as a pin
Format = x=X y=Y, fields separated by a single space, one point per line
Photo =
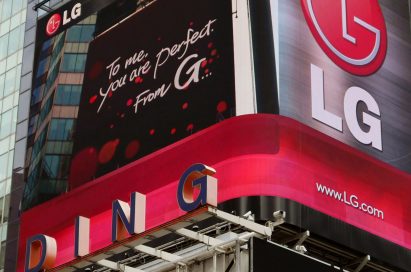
x=76 y=134
x=12 y=30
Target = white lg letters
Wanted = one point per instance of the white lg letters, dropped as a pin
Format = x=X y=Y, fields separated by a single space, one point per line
x=352 y=97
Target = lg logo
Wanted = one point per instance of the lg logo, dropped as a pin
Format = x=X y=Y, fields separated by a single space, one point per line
x=351 y=32
x=353 y=35
x=53 y=24
x=55 y=21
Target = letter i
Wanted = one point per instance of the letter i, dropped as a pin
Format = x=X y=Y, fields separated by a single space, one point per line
x=82 y=236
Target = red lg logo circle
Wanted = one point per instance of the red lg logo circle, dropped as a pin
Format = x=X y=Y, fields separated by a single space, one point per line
x=351 y=32
x=53 y=24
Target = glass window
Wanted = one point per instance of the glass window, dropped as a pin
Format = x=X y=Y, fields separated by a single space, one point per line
x=2 y=188
x=18 y=78
x=11 y=61
x=2 y=254
x=1 y=85
x=3 y=46
x=15 y=21
x=6 y=11
x=14 y=38
x=4 y=146
x=10 y=165
x=5 y=27
x=9 y=82
x=43 y=67
x=3 y=165
x=46 y=109
x=6 y=209
x=73 y=63
x=56 y=166
x=22 y=31
x=80 y=33
x=61 y=129
x=4 y=230
x=68 y=95
x=5 y=125
x=17 y=5
x=8 y=103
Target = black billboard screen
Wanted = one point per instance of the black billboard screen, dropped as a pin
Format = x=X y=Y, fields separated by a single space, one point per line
x=159 y=76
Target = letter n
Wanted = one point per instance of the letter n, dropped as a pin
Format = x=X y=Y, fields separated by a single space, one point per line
x=41 y=252
x=128 y=219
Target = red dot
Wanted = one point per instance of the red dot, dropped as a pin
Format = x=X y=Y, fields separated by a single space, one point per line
x=83 y=167
x=213 y=52
x=210 y=61
x=173 y=131
x=191 y=23
x=110 y=93
x=138 y=80
x=107 y=151
x=93 y=99
x=206 y=71
x=95 y=70
x=152 y=131
x=132 y=149
x=112 y=126
x=122 y=115
x=210 y=45
x=185 y=106
x=190 y=127
x=222 y=106
x=129 y=102
x=203 y=63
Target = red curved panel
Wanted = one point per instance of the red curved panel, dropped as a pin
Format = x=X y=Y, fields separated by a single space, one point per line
x=253 y=155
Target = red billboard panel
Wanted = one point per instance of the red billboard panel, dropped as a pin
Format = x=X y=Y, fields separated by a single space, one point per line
x=288 y=160
x=159 y=76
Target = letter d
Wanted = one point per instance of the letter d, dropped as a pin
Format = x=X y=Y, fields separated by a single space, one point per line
x=41 y=252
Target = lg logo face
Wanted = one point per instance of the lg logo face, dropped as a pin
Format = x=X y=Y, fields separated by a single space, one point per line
x=351 y=32
x=55 y=21
x=353 y=35
x=53 y=24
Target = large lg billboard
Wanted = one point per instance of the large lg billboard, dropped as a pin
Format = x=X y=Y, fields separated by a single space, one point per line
x=343 y=69
x=155 y=79
x=151 y=81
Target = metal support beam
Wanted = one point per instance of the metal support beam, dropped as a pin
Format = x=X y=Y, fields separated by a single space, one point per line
x=237 y=257
x=257 y=228
x=41 y=5
x=363 y=262
x=158 y=253
x=117 y=266
x=210 y=241
x=301 y=237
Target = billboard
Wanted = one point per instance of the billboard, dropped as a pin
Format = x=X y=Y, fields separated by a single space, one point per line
x=155 y=79
x=152 y=80
x=283 y=161
x=343 y=68
x=66 y=16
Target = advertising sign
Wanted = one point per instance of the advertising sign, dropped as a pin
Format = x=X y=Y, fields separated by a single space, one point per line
x=283 y=161
x=66 y=16
x=152 y=80
x=343 y=68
